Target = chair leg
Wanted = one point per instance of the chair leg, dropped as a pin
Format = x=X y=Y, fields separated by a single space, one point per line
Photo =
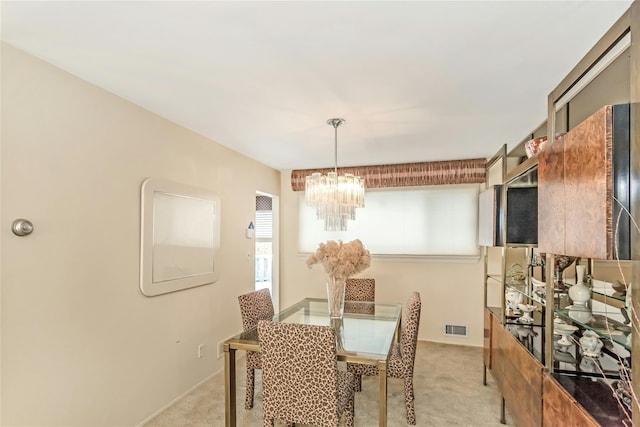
x=358 y=382
x=248 y=401
x=408 y=399
x=348 y=413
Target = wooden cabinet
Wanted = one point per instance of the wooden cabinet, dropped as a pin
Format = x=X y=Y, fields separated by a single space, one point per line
x=522 y=382
x=535 y=397
x=551 y=200
x=518 y=375
x=583 y=183
x=587 y=181
x=559 y=406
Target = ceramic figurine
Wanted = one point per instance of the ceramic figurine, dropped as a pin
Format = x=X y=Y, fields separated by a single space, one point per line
x=590 y=344
x=539 y=287
x=580 y=293
x=513 y=298
x=526 y=317
x=525 y=332
x=565 y=331
x=589 y=365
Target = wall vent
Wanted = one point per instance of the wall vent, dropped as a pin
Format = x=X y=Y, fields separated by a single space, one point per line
x=455 y=330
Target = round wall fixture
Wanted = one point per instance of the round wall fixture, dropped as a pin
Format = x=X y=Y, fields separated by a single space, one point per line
x=22 y=227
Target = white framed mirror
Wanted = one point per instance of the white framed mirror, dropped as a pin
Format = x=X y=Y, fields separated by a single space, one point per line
x=180 y=235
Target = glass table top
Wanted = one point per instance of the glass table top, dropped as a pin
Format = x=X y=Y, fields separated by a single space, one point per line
x=366 y=331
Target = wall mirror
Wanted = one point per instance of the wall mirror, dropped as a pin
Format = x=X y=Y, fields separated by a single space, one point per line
x=180 y=235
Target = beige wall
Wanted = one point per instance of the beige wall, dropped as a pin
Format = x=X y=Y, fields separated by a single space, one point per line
x=451 y=292
x=81 y=346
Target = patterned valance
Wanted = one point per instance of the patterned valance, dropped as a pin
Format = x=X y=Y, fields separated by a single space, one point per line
x=468 y=171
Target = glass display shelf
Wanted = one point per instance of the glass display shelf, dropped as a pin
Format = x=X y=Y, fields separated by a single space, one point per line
x=495 y=277
x=515 y=318
x=569 y=360
x=522 y=245
x=531 y=337
x=600 y=322
x=524 y=289
x=608 y=292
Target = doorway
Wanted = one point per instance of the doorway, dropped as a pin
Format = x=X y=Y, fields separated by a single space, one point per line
x=266 y=245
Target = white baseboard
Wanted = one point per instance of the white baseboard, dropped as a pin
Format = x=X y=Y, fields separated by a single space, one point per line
x=156 y=413
x=240 y=355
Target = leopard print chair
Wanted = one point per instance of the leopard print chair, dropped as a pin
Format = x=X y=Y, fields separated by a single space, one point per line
x=301 y=382
x=357 y=291
x=402 y=357
x=254 y=306
x=360 y=290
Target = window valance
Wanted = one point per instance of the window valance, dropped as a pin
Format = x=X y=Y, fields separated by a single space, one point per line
x=469 y=171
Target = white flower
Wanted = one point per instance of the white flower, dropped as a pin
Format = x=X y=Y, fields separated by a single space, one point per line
x=341 y=260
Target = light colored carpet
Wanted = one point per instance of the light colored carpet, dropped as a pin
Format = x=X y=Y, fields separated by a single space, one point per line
x=447 y=382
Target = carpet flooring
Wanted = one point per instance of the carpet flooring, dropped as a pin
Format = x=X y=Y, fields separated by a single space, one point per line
x=447 y=381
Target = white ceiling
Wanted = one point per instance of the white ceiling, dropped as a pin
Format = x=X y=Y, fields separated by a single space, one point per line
x=415 y=81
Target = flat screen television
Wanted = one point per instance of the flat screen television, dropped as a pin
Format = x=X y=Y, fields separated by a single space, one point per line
x=521 y=220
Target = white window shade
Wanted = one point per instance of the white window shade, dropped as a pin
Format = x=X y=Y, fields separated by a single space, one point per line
x=429 y=221
x=264 y=225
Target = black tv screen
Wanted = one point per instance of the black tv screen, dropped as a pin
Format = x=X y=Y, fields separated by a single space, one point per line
x=522 y=215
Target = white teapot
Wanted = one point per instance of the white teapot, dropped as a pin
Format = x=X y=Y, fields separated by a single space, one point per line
x=590 y=344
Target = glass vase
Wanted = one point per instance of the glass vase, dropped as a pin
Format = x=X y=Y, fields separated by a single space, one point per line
x=335 y=297
x=338 y=326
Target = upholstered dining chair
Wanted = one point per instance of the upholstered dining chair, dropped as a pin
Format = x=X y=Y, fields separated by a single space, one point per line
x=403 y=355
x=301 y=382
x=360 y=289
x=254 y=306
x=357 y=291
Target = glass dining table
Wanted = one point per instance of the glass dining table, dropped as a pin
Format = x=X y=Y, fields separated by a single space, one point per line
x=365 y=335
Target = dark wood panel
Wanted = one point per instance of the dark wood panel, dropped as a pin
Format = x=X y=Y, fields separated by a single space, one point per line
x=576 y=188
x=524 y=374
x=497 y=354
x=588 y=186
x=559 y=405
x=525 y=366
x=523 y=405
x=520 y=379
x=551 y=200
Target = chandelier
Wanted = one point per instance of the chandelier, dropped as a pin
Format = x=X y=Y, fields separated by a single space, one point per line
x=335 y=198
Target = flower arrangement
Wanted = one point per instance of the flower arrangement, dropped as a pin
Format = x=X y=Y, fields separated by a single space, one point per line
x=341 y=260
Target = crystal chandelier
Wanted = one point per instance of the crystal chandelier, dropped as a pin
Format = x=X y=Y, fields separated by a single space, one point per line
x=335 y=198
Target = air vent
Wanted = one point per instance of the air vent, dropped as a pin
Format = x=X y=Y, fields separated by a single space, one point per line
x=455 y=330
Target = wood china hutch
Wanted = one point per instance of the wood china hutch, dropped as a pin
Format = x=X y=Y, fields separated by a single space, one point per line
x=569 y=202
